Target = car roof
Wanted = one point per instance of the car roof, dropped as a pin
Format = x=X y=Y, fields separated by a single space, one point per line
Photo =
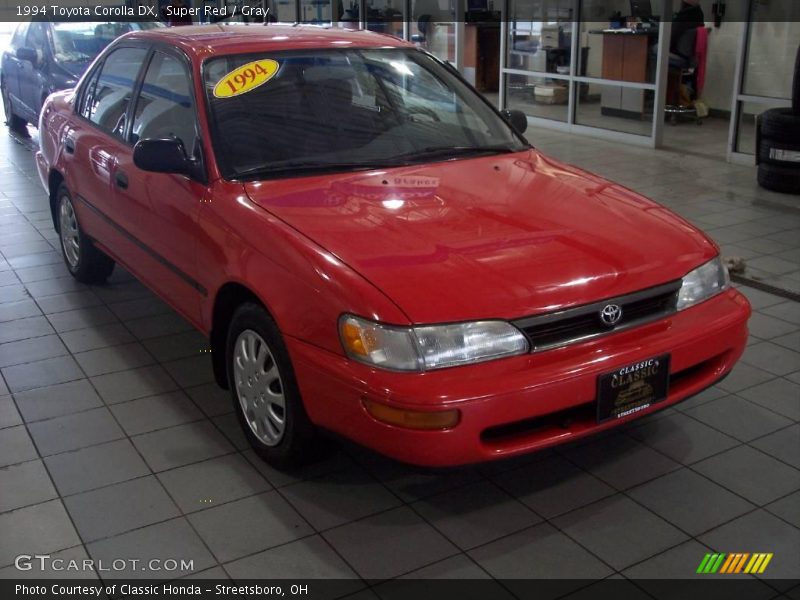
x=204 y=41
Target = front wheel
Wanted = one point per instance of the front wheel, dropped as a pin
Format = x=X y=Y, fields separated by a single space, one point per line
x=265 y=394
x=85 y=262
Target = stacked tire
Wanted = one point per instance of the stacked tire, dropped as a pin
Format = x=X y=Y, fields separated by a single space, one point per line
x=778 y=141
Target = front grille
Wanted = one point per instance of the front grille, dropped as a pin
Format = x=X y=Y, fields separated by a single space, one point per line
x=564 y=327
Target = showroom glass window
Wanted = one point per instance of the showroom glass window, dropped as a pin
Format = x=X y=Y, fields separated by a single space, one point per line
x=346 y=106
x=164 y=108
x=108 y=92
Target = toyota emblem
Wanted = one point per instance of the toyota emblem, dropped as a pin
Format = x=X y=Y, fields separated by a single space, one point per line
x=611 y=314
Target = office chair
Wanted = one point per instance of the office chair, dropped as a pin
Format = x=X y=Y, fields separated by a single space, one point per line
x=694 y=44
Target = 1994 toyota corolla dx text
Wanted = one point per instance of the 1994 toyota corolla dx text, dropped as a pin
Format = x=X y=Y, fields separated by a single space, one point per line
x=374 y=251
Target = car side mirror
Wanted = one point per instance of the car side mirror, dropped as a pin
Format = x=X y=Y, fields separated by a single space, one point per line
x=28 y=54
x=161 y=156
x=517 y=119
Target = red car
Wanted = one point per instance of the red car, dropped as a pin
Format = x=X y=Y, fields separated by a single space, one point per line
x=375 y=251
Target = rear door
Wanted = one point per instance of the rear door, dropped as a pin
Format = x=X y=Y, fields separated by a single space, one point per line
x=161 y=209
x=95 y=138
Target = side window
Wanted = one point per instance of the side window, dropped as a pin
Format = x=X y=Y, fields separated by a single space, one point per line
x=18 y=41
x=107 y=98
x=165 y=108
x=87 y=95
x=36 y=39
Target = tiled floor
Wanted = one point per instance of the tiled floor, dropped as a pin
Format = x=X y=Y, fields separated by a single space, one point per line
x=115 y=443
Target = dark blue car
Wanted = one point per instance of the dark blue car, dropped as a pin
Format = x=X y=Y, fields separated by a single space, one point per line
x=46 y=57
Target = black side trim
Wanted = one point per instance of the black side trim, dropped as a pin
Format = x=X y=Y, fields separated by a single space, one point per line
x=155 y=255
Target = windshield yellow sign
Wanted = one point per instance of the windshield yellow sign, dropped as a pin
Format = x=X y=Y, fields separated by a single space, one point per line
x=246 y=78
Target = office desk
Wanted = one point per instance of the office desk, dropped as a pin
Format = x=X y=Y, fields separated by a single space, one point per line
x=626 y=57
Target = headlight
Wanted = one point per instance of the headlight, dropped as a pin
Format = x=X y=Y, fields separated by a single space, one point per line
x=429 y=347
x=702 y=283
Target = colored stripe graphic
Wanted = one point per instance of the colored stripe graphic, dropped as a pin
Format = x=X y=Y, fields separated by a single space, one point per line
x=711 y=563
x=737 y=562
x=764 y=564
x=754 y=563
x=717 y=563
x=741 y=562
x=727 y=564
x=704 y=563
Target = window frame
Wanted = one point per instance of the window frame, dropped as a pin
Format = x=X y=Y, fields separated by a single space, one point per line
x=200 y=169
x=222 y=165
x=182 y=59
x=97 y=69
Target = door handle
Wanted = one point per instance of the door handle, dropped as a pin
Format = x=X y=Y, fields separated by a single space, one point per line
x=121 y=180
x=69 y=145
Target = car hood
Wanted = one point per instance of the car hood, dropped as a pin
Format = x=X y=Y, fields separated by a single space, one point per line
x=493 y=237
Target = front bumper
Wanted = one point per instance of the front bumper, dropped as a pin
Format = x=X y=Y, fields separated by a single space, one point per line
x=523 y=403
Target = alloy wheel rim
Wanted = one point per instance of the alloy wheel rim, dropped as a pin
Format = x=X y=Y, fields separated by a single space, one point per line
x=259 y=388
x=69 y=233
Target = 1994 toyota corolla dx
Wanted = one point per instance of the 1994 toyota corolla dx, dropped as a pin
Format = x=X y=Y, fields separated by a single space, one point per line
x=373 y=250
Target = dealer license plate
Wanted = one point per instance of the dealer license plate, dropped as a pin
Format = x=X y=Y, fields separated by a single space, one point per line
x=632 y=388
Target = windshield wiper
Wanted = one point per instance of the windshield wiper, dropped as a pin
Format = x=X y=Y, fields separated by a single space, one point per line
x=305 y=167
x=432 y=152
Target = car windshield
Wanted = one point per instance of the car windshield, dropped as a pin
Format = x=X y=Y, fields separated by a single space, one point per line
x=278 y=114
x=82 y=42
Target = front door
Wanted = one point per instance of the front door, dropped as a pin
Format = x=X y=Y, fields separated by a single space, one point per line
x=160 y=208
x=93 y=141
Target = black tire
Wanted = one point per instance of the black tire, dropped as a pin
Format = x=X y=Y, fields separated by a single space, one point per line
x=12 y=120
x=780 y=125
x=84 y=261
x=796 y=85
x=298 y=442
x=766 y=153
x=779 y=178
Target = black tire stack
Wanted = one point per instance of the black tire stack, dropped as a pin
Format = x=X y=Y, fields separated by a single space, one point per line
x=778 y=141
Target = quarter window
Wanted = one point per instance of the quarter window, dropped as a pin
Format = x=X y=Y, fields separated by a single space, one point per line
x=165 y=108
x=108 y=95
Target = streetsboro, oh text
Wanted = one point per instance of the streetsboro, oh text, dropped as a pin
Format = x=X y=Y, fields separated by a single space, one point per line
x=166 y=589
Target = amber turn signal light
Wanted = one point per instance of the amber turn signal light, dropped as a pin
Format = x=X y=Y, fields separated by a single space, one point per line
x=412 y=419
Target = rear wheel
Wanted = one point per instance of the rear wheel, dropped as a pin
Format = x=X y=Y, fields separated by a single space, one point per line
x=12 y=120
x=85 y=262
x=264 y=391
